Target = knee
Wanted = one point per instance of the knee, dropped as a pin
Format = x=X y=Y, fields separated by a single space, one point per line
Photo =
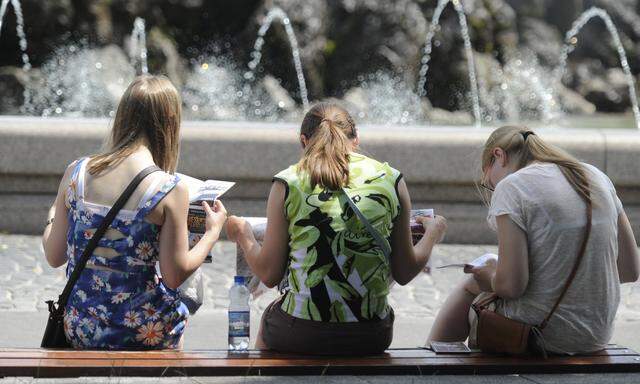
x=470 y=286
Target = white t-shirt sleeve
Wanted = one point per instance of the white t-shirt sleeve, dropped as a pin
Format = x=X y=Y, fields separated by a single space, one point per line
x=507 y=200
x=611 y=188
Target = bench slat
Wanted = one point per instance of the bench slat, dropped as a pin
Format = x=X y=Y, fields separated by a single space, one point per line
x=64 y=363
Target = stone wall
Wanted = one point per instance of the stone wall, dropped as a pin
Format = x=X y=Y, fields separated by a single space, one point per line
x=439 y=164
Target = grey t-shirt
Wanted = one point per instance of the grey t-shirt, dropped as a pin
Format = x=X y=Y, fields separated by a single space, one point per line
x=541 y=201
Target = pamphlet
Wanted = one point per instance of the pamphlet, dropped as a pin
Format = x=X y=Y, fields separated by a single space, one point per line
x=450 y=347
x=199 y=191
x=478 y=262
x=417 y=230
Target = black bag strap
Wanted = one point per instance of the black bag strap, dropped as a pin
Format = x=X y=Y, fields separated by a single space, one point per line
x=382 y=243
x=93 y=243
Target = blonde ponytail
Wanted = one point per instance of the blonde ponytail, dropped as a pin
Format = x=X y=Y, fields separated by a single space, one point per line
x=328 y=129
x=524 y=146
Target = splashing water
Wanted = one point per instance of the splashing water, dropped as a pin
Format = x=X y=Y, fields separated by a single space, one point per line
x=384 y=98
x=22 y=41
x=215 y=90
x=139 y=44
x=279 y=14
x=426 y=56
x=521 y=89
x=571 y=41
x=93 y=86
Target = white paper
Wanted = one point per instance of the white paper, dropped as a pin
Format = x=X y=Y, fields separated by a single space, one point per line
x=478 y=262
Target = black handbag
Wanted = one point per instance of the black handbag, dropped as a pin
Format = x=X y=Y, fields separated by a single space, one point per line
x=54 y=336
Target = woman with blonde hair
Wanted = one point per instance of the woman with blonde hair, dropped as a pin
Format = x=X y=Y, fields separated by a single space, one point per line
x=338 y=231
x=119 y=301
x=545 y=205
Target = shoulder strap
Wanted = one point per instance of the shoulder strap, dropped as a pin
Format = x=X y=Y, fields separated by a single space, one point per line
x=93 y=243
x=574 y=271
x=384 y=245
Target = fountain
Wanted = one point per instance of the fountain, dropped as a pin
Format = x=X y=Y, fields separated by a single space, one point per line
x=22 y=39
x=570 y=43
x=279 y=14
x=426 y=56
x=139 y=44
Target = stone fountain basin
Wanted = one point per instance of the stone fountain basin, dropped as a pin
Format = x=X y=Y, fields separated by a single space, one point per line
x=439 y=164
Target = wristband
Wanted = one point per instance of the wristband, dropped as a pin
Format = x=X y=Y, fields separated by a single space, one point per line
x=49 y=221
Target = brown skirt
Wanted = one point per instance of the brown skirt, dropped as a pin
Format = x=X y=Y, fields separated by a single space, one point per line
x=285 y=333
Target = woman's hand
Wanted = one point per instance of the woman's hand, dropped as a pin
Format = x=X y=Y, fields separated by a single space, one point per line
x=216 y=217
x=434 y=227
x=483 y=274
x=237 y=228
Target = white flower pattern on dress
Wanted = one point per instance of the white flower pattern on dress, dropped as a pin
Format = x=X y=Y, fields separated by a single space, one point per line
x=132 y=319
x=150 y=333
x=126 y=308
x=145 y=250
x=119 y=297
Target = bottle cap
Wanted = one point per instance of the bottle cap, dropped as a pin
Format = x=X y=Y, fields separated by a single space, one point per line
x=238 y=280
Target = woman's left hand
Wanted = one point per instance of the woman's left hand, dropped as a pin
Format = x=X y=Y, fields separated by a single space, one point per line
x=237 y=228
x=483 y=274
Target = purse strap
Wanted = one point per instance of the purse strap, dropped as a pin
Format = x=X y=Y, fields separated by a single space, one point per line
x=574 y=271
x=93 y=243
x=384 y=245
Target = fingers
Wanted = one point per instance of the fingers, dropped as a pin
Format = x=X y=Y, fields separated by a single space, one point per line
x=219 y=207
x=207 y=208
x=422 y=219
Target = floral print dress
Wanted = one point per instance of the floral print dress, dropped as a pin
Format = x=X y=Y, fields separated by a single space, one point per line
x=119 y=301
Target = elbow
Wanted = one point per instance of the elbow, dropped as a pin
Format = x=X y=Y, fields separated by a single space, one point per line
x=510 y=291
x=53 y=260
x=271 y=277
x=173 y=280
x=630 y=276
x=171 y=283
x=54 y=263
x=402 y=280
x=270 y=283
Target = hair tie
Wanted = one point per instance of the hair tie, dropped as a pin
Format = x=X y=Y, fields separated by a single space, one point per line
x=527 y=134
x=325 y=119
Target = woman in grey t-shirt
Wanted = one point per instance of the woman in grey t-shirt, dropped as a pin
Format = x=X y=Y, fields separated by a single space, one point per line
x=538 y=208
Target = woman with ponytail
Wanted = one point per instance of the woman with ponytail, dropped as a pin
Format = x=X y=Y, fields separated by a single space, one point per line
x=539 y=201
x=337 y=272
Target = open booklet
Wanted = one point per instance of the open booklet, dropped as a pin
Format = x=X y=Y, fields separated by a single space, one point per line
x=478 y=262
x=199 y=191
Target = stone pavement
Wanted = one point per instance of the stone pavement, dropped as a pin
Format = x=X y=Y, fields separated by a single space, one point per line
x=27 y=281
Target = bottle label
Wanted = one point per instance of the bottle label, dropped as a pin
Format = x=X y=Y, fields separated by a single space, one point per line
x=239 y=323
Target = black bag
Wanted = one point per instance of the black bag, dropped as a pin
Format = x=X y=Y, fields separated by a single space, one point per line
x=54 y=336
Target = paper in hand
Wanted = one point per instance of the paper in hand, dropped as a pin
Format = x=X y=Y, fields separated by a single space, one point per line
x=478 y=262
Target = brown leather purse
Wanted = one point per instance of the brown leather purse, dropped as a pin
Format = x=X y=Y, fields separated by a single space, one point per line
x=499 y=334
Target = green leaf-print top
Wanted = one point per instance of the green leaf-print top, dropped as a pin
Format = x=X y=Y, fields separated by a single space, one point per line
x=336 y=270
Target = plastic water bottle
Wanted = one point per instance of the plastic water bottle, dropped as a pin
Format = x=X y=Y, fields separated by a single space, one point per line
x=239 y=315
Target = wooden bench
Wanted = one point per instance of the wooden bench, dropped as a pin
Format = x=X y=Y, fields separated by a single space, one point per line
x=59 y=363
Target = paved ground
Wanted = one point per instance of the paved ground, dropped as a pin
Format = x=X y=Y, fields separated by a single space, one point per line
x=27 y=281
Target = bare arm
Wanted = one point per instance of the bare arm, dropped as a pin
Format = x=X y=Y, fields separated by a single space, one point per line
x=268 y=261
x=54 y=238
x=177 y=262
x=408 y=260
x=512 y=272
x=628 y=259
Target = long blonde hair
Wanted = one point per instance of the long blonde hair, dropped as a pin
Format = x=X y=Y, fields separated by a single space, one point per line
x=149 y=110
x=328 y=129
x=523 y=146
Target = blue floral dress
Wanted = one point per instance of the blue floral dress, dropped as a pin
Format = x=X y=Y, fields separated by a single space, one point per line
x=119 y=301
